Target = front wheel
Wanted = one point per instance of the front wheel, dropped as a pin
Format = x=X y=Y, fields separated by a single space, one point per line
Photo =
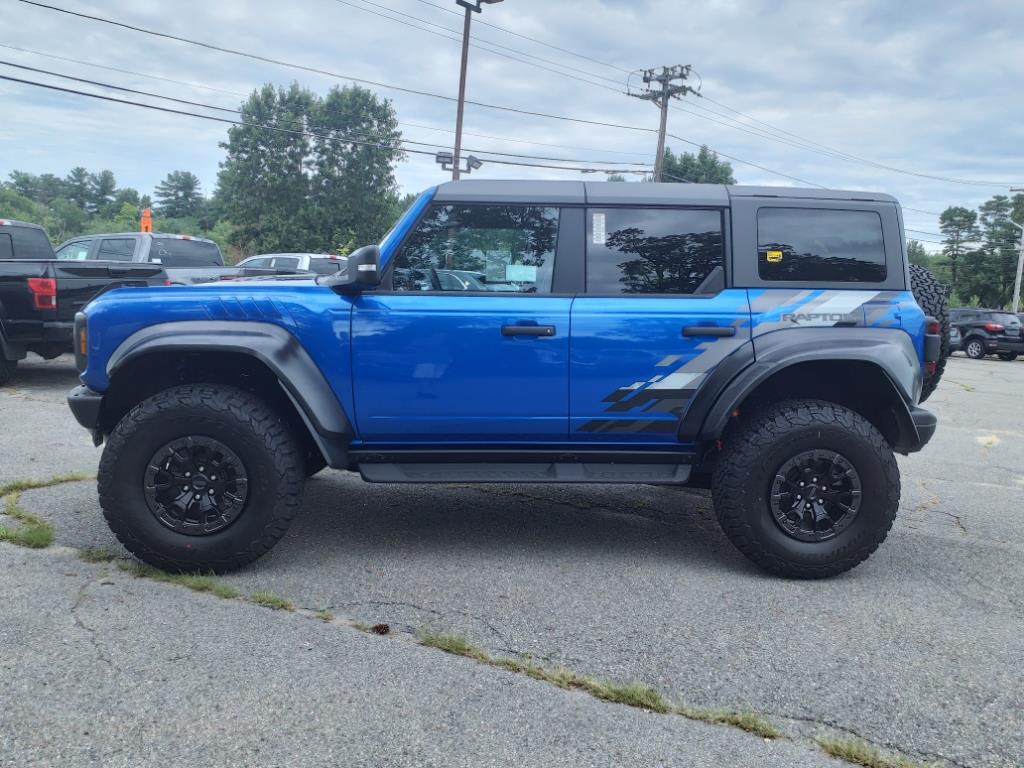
x=806 y=488
x=975 y=349
x=200 y=477
x=1008 y=356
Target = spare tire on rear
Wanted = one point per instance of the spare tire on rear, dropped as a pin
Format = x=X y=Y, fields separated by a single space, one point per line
x=930 y=295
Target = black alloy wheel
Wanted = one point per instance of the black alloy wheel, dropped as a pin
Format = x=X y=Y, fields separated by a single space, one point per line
x=815 y=495
x=196 y=485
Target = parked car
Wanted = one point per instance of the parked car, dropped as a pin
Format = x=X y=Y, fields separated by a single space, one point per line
x=984 y=332
x=317 y=263
x=769 y=343
x=187 y=260
x=39 y=296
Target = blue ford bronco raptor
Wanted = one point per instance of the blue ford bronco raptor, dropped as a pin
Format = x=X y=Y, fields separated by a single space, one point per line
x=771 y=344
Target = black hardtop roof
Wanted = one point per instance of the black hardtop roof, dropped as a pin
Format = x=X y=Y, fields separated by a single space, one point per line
x=14 y=223
x=612 y=193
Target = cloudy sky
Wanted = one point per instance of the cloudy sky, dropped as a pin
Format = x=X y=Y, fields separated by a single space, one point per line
x=822 y=91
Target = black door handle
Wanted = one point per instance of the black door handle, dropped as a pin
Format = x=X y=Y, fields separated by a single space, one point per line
x=708 y=330
x=527 y=330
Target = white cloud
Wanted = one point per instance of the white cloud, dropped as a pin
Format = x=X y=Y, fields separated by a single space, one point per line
x=923 y=86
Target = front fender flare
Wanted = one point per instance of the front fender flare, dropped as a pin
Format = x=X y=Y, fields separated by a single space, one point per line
x=282 y=353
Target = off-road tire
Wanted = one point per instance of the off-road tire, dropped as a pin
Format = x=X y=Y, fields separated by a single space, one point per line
x=757 y=447
x=930 y=295
x=974 y=349
x=7 y=368
x=239 y=420
x=1008 y=356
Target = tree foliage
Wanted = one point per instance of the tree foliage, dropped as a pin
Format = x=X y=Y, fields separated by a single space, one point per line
x=179 y=195
x=703 y=168
x=326 y=183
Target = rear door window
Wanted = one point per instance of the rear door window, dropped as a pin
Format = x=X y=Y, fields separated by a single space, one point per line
x=116 y=249
x=653 y=250
x=6 y=246
x=285 y=262
x=175 y=252
x=820 y=245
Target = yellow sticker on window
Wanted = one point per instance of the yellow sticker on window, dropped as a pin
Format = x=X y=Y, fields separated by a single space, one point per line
x=774 y=256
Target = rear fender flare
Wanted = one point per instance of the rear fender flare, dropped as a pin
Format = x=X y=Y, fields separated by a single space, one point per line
x=889 y=349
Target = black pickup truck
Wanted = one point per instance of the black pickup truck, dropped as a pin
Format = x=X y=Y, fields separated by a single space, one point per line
x=40 y=295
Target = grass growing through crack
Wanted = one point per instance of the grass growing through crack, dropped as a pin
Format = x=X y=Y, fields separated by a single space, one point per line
x=268 y=600
x=94 y=556
x=30 y=532
x=325 y=615
x=197 y=582
x=859 y=753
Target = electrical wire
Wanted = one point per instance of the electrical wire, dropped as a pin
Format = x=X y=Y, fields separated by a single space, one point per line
x=262 y=126
x=747 y=162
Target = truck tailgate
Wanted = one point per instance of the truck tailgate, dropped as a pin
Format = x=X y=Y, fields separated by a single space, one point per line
x=79 y=281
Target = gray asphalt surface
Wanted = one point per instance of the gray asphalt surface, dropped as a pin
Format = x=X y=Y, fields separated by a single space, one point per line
x=919 y=649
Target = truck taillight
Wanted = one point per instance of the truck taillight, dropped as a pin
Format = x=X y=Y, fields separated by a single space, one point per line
x=44 y=292
x=993 y=327
x=934 y=326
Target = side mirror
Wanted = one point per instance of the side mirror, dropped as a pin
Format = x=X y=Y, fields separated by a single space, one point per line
x=361 y=271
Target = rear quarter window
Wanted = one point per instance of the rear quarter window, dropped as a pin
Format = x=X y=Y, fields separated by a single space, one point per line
x=173 y=252
x=6 y=246
x=820 y=245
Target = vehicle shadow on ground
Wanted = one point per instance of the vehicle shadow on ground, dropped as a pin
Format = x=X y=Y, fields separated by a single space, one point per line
x=34 y=373
x=343 y=517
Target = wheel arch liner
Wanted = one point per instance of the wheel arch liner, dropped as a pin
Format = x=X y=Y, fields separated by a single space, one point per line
x=277 y=349
x=889 y=349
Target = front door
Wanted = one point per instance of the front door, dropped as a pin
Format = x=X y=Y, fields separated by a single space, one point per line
x=655 y=321
x=465 y=344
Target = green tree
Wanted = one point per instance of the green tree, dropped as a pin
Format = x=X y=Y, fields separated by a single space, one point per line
x=102 y=187
x=959 y=227
x=179 y=195
x=315 y=190
x=1000 y=238
x=353 y=187
x=703 y=168
x=615 y=177
x=78 y=187
x=264 y=183
x=917 y=254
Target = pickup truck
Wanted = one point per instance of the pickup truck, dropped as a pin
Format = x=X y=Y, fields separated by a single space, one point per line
x=39 y=296
x=187 y=260
x=771 y=344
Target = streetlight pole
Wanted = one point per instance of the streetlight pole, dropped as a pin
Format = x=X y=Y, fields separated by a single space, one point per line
x=1020 y=262
x=471 y=8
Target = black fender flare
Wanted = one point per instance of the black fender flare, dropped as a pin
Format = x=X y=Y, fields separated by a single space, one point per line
x=275 y=347
x=889 y=349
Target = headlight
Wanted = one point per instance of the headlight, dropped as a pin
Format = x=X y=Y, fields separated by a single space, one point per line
x=81 y=341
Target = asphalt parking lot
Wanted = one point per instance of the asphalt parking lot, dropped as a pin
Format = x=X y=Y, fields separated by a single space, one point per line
x=918 y=650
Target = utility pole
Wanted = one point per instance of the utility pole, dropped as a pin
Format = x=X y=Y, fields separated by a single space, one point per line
x=661 y=96
x=1020 y=261
x=471 y=6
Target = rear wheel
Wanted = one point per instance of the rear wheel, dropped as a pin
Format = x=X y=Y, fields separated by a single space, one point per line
x=930 y=295
x=806 y=488
x=974 y=349
x=1008 y=356
x=200 y=477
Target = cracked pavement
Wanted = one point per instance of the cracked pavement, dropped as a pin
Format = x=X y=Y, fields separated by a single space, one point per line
x=918 y=649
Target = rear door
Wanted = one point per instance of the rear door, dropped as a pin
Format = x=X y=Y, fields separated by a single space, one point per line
x=436 y=362
x=654 y=322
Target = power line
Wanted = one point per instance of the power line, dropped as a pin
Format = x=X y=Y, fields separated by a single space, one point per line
x=477 y=44
x=262 y=126
x=328 y=73
x=531 y=39
x=135 y=73
x=747 y=162
x=240 y=112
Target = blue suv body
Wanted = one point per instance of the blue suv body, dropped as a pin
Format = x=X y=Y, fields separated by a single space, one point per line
x=509 y=331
